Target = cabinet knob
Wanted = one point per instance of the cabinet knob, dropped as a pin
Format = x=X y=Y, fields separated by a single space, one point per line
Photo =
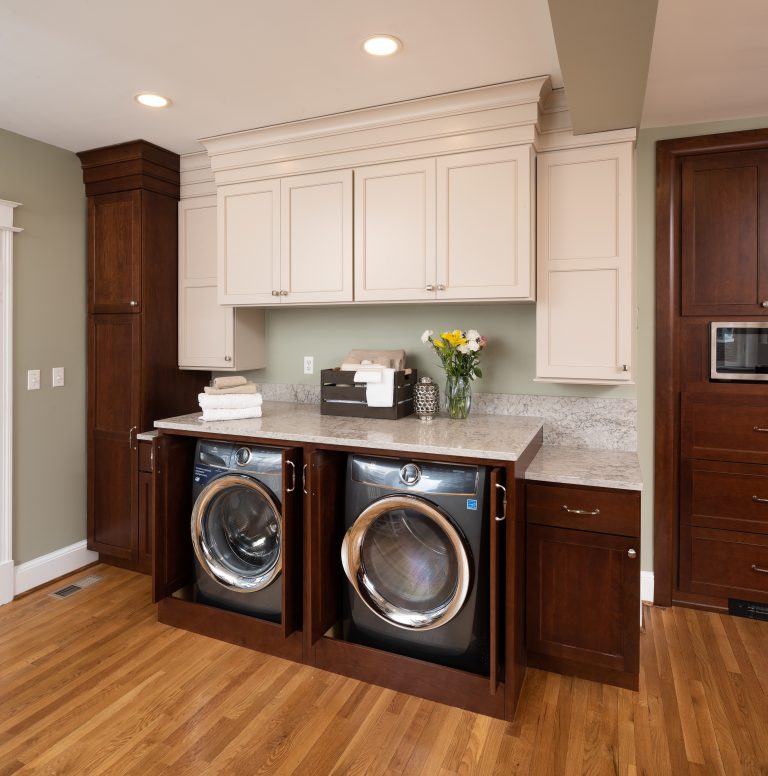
x=632 y=554
x=227 y=358
x=283 y=293
x=133 y=303
x=764 y=304
x=275 y=293
x=441 y=287
x=430 y=288
x=625 y=367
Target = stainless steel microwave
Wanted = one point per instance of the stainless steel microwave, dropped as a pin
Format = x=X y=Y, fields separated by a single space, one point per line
x=739 y=350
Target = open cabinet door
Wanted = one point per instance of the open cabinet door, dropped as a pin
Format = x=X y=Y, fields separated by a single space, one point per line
x=172 y=508
x=323 y=529
x=498 y=516
x=291 y=501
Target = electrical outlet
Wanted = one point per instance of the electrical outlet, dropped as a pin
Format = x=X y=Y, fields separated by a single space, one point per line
x=57 y=377
x=309 y=365
x=33 y=380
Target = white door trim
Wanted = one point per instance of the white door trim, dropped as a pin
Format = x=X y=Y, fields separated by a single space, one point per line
x=7 y=230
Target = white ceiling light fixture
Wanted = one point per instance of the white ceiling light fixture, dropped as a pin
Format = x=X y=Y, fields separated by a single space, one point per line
x=382 y=45
x=149 y=100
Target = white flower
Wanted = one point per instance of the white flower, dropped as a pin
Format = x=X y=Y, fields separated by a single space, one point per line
x=426 y=335
x=473 y=346
x=473 y=334
x=464 y=348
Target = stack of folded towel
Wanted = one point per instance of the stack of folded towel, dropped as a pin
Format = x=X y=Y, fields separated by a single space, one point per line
x=376 y=369
x=230 y=398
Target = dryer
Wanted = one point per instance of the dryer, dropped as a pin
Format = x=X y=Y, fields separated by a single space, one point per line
x=416 y=557
x=237 y=527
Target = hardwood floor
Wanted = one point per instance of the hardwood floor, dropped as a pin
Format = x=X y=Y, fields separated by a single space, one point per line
x=93 y=684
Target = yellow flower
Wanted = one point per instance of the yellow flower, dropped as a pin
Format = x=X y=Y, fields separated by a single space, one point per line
x=438 y=343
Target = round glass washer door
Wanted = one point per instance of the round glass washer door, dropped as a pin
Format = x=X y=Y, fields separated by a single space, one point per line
x=408 y=562
x=237 y=533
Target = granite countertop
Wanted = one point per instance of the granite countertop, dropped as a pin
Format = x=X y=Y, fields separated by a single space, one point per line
x=595 y=468
x=493 y=437
x=146 y=436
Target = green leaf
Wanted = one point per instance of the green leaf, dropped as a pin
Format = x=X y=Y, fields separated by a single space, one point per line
x=478 y=372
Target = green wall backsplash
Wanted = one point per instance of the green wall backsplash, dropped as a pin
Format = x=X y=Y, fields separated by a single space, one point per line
x=329 y=333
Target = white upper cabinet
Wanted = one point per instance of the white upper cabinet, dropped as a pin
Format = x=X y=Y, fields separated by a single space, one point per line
x=584 y=315
x=485 y=214
x=395 y=231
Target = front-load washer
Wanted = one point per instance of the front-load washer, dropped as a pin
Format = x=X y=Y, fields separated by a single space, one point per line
x=237 y=527
x=416 y=558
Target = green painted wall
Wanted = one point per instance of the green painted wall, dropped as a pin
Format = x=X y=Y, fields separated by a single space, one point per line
x=49 y=330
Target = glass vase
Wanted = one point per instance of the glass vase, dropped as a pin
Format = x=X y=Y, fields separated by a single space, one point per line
x=458 y=396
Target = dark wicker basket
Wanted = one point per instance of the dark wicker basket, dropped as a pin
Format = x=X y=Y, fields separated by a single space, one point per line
x=340 y=396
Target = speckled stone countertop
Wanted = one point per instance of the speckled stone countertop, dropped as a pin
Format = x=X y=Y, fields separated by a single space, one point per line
x=146 y=436
x=495 y=437
x=595 y=468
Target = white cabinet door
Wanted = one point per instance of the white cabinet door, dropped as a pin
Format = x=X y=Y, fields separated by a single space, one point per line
x=485 y=224
x=316 y=238
x=249 y=242
x=584 y=320
x=395 y=231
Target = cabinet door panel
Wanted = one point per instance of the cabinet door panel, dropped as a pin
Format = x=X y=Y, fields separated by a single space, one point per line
x=484 y=224
x=144 y=539
x=205 y=328
x=197 y=240
x=114 y=252
x=316 y=239
x=249 y=242
x=395 y=231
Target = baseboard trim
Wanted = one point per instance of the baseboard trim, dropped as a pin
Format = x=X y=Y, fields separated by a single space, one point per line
x=6 y=582
x=646 y=586
x=55 y=564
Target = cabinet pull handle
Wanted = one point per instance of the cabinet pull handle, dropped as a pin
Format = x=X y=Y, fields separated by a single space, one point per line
x=304 y=479
x=429 y=287
x=227 y=358
x=283 y=293
x=760 y=429
x=133 y=303
x=632 y=554
x=130 y=436
x=293 y=478
x=759 y=570
x=503 y=504
x=580 y=511
x=440 y=287
x=275 y=293
x=760 y=500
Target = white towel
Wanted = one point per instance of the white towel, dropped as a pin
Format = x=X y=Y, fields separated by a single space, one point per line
x=235 y=414
x=247 y=388
x=368 y=375
x=229 y=401
x=382 y=394
x=230 y=381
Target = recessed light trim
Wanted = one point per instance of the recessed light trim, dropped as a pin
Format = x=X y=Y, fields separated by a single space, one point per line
x=150 y=100
x=382 y=45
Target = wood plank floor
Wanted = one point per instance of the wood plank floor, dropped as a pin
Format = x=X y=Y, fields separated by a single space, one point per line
x=94 y=685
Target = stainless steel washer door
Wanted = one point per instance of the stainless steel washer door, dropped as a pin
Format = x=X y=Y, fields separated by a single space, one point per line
x=408 y=562
x=237 y=533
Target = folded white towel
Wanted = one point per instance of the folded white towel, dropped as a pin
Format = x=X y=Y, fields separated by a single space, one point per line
x=230 y=381
x=368 y=375
x=247 y=388
x=230 y=401
x=382 y=394
x=235 y=414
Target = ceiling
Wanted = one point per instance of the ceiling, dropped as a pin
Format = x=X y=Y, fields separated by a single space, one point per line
x=69 y=70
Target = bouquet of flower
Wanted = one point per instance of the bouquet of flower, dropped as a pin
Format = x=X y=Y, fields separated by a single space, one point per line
x=459 y=351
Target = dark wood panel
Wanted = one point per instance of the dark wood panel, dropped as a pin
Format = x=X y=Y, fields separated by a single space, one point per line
x=730 y=496
x=146 y=458
x=583 y=593
x=292 y=541
x=725 y=427
x=497 y=518
x=144 y=522
x=114 y=253
x=617 y=512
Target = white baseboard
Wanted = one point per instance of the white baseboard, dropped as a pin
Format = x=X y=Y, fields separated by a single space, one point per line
x=646 y=586
x=6 y=582
x=55 y=564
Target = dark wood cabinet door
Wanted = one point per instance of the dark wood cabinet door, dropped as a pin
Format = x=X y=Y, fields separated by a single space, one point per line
x=114 y=252
x=724 y=244
x=145 y=522
x=114 y=343
x=583 y=597
x=292 y=575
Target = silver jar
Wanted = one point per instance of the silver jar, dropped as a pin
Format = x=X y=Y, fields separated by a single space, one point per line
x=426 y=398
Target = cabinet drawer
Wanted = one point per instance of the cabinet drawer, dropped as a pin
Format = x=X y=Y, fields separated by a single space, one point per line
x=146 y=460
x=724 y=563
x=588 y=509
x=725 y=428
x=718 y=494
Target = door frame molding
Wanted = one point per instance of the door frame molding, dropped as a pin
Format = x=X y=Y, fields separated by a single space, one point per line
x=7 y=230
x=667 y=379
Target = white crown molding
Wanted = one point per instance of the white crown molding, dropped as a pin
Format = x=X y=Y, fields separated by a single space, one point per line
x=196 y=175
x=55 y=564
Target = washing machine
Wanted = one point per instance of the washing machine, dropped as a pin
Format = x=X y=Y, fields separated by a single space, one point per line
x=237 y=527
x=416 y=557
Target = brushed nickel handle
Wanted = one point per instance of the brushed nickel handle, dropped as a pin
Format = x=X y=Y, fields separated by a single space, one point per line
x=130 y=436
x=429 y=287
x=283 y=293
x=133 y=303
x=293 y=478
x=759 y=570
x=275 y=293
x=580 y=511
x=764 y=304
x=760 y=429
x=625 y=367
x=227 y=358
x=304 y=479
x=760 y=500
x=632 y=554
x=440 y=287
x=503 y=504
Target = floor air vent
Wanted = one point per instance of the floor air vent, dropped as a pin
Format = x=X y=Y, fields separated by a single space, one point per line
x=76 y=587
x=749 y=609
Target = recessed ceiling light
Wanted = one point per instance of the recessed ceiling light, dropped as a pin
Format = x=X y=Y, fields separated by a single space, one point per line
x=152 y=100
x=382 y=45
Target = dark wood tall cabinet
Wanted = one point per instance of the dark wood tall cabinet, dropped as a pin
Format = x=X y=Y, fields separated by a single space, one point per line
x=133 y=379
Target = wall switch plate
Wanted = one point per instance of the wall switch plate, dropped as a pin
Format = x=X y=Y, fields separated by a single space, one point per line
x=57 y=377
x=309 y=365
x=33 y=380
